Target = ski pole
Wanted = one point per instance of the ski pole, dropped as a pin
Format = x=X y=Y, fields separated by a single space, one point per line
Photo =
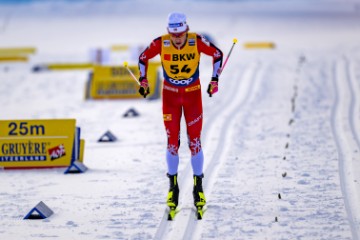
x=131 y=73
x=227 y=58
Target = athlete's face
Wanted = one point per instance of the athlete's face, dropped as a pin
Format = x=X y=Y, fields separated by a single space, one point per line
x=178 y=39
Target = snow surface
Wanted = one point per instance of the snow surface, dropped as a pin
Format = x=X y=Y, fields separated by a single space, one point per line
x=281 y=139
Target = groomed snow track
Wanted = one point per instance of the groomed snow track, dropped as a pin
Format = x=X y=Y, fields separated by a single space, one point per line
x=344 y=122
x=220 y=119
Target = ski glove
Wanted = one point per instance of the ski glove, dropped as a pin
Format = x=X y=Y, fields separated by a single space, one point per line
x=213 y=86
x=144 y=89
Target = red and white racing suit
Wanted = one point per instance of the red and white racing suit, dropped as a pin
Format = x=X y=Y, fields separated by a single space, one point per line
x=182 y=92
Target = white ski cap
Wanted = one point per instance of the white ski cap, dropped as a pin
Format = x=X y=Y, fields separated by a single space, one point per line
x=177 y=22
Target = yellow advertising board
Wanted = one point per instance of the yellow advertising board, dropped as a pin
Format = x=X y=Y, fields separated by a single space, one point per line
x=82 y=150
x=13 y=58
x=36 y=143
x=111 y=82
x=69 y=66
x=259 y=45
x=17 y=51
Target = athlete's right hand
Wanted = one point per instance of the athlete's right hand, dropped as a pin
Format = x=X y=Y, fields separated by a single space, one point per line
x=144 y=89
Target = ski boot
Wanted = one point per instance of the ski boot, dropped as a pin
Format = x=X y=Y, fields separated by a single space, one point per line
x=173 y=196
x=199 y=196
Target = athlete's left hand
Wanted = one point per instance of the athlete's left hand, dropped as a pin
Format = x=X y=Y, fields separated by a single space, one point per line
x=213 y=86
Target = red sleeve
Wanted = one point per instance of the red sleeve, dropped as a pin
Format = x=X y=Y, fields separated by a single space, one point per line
x=151 y=51
x=204 y=46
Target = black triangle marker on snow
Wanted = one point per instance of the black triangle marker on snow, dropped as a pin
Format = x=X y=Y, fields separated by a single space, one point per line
x=131 y=113
x=107 y=137
x=40 y=211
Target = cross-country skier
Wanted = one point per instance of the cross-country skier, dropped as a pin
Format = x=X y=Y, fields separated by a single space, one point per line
x=181 y=94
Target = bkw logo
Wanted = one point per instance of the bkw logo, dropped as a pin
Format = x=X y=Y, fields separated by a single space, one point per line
x=183 y=57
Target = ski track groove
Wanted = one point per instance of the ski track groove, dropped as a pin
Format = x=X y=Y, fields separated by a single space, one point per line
x=185 y=182
x=231 y=112
x=185 y=226
x=353 y=103
x=342 y=117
